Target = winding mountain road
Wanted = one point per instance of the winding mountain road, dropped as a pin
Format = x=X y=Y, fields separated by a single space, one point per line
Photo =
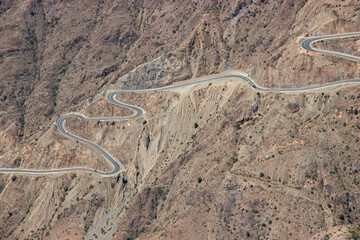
x=305 y=44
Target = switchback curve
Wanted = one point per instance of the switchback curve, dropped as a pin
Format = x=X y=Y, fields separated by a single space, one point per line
x=138 y=112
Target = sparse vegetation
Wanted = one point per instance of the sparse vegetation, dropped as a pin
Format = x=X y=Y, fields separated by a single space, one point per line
x=215 y=174
x=237 y=126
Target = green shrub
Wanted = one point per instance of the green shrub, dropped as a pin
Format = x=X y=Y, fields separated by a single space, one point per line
x=237 y=126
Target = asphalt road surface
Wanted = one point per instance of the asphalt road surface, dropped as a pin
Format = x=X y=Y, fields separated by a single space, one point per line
x=306 y=44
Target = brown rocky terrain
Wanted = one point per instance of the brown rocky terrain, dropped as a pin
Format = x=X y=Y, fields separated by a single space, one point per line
x=214 y=162
x=278 y=166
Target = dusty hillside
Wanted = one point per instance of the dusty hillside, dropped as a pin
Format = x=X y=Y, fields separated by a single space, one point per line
x=214 y=162
x=57 y=55
x=257 y=165
x=264 y=165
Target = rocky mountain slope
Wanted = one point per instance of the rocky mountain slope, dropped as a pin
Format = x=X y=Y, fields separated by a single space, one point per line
x=214 y=162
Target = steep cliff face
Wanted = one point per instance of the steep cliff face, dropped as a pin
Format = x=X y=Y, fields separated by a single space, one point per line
x=218 y=161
